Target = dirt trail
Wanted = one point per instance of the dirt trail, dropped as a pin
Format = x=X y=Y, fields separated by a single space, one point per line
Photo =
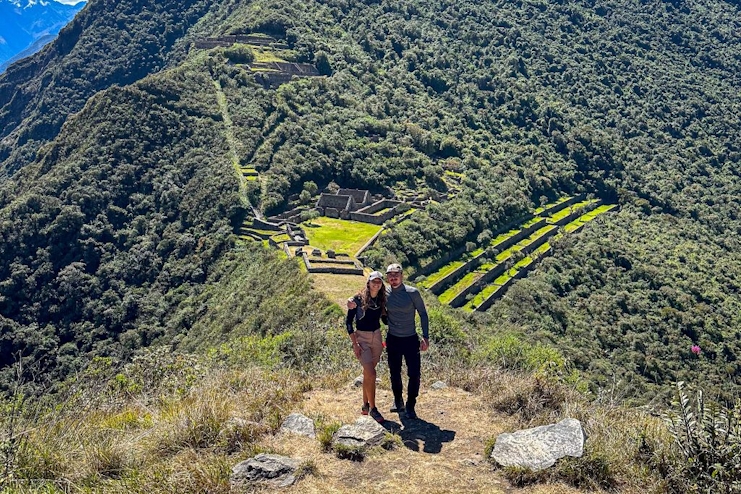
x=443 y=451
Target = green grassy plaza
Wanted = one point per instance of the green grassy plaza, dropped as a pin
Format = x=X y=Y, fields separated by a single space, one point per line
x=338 y=235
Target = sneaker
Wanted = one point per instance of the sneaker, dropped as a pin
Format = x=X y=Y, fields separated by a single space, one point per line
x=365 y=409
x=398 y=406
x=376 y=415
x=411 y=414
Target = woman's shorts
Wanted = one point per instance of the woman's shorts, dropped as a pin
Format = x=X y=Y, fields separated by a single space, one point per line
x=371 y=346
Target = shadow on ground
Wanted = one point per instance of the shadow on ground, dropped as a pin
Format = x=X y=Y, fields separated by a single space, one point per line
x=418 y=432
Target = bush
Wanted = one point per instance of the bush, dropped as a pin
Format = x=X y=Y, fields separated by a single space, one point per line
x=708 y=437
x=511 y=352
x=239 y=54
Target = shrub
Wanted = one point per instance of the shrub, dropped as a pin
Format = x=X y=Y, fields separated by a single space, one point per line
x=708 y=438
x=239 y=54
x=511 y=352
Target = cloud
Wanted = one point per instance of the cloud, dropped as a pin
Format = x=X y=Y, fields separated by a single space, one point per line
x=69 y=2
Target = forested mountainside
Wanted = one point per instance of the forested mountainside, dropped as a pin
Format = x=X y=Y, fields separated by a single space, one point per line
x=116 y=223
x=24 y=25
x=108 y=43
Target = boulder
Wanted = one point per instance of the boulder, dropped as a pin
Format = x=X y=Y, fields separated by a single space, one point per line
x=539 y=448
x=438 y=385
x=365 y=432
x=264 y=468
x=297 y=423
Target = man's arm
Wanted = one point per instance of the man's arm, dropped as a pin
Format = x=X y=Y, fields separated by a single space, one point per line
x=419 y=305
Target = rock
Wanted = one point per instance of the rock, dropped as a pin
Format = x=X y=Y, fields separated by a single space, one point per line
x=331 y=254
x=274 y=470
x=363 y=433
x=439 y=385
x=540 y=447
x=297 y=423
x=358 y=382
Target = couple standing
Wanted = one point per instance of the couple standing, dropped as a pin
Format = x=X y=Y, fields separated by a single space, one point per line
x=395 y=306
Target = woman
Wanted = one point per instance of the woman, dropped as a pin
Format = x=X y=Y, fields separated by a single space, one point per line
x=367 y=341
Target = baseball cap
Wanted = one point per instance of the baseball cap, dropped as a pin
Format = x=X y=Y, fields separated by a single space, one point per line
x=375 y=275
x=393 y=268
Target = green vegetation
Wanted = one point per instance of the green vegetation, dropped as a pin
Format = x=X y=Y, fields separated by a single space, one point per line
x=548 y=206
x=121 y=156
x=556 y=217
x=339 y=235
x=443 y=272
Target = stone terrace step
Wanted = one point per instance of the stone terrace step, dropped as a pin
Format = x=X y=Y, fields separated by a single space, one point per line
x=453 y=272
x=473 y=282
x=491 y=293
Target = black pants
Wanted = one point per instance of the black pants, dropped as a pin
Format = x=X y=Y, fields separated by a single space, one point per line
x=408 y=348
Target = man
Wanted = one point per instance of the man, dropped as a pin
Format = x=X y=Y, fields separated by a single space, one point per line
x=402 y=341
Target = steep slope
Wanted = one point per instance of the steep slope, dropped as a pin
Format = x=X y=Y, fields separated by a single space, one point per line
x=523 y=102
x=108 y=43
x=131 y=201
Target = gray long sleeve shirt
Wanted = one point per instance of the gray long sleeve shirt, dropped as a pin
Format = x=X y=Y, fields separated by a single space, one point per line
x=401 y=304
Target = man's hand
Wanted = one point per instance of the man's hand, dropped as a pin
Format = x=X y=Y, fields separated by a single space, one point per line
x=357 y=350
x=424 y=344
x=351 y=303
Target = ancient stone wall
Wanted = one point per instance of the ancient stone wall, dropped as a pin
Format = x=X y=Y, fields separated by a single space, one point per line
x=503 y=288
x=439 y=286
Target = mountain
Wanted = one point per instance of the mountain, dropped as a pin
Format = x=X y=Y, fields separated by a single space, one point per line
x=524 y=103
x=26 y=27
x=121 y=199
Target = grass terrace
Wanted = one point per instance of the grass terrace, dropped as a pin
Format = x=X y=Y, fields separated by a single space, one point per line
x=443 y=272
x=266 y=55
x=453 y=265
x=543 y=209
x=338 y=235
x=448 y=295
x=282 y=237
x=569 y=210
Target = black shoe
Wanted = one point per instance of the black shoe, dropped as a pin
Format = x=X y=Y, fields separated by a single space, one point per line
x=376 y=415
x=398 y=406
x=411 y=414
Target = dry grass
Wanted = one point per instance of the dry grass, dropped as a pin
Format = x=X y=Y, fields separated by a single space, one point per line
x=338 y=287
x=189 y=442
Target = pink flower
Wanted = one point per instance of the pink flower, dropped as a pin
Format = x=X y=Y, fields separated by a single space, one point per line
x=695 y=349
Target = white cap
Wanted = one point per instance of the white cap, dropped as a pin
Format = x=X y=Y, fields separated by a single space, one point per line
x=375 y=275
x=394 y=268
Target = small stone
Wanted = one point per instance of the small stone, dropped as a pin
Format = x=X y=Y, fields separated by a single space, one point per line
x=439 y=385
x=358 y=382
x=297 y=423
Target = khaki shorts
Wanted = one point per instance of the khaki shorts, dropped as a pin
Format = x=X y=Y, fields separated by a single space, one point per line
x=371 y=346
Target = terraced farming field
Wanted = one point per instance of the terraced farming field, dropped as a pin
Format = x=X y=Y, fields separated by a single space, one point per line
x=478 y=278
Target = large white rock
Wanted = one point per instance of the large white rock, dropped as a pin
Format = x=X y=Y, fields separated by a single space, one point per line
x=364 y=432
x=540 y=447
x=297 y=423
